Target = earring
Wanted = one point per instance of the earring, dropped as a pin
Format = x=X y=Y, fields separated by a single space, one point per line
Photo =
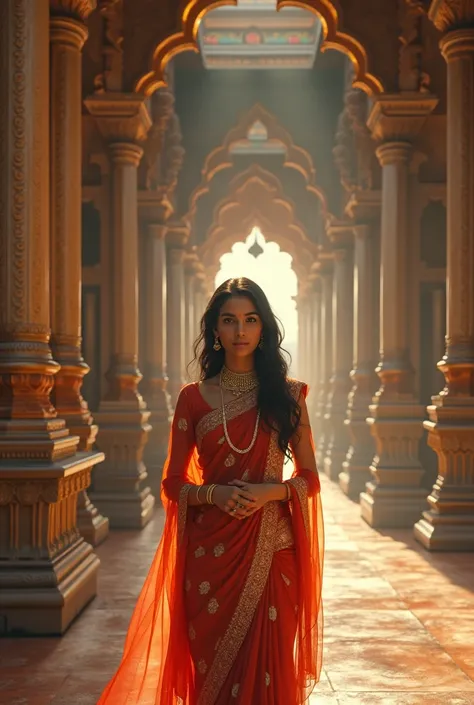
x=260 y=345
x=217 y=346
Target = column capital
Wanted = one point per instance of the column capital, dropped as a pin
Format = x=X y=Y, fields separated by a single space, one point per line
x=400 y=117
x=67 y=31
x=324 y=266
x=364 y=206
x=458 y=44
x=340 y=234
x=157 y=231
x=120 y=117
x=154 y=206
x=394 y=153
x=76 y=9
x=177 y=235
x=125 y=153
x=449 y=15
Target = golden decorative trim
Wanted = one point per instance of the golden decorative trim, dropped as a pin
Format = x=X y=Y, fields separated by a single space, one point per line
x=301 y=487
x=234 y=408
x=182 y=510
x=284 y=535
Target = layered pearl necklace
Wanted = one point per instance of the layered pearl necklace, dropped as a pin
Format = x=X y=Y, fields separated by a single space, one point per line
x=238 y=383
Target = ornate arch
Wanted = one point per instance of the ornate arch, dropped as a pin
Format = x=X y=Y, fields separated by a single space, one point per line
x=256 y=198
x=193 y=11
x=220 y=158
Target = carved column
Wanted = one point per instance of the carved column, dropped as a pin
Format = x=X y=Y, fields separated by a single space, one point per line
x=394 y=497
x=315 y=376
x=67 y=36
x=121 y=488
x=363 y=206
x=342 y=325
x=176 y=239
x=155 y=379
x=49 y=573
x=449 y=522
x=325 y=269
x=190 y=265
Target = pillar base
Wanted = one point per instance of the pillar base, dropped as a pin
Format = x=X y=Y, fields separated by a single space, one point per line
x=93 y=527
x=120 y=489
x=445 y=533
x=353 y=479
x=43 y=597
x=333 y=464
x=156 y=448
x=391 y=507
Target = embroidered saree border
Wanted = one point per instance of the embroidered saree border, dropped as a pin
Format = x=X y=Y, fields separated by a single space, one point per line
x=213 y=419
x=182 y=510
x=301 y=487
x=254 y=586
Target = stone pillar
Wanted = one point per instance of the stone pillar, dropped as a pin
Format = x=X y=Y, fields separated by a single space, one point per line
x=176 y=240
x=395 y=496
x=190 y=264
x=67 y=36
x=155 y=378
x=49 y=573
x=342 y=325
x=325 y=271
x=315 y=352
x=448 y=524
x=356 y=467
x=121 y=487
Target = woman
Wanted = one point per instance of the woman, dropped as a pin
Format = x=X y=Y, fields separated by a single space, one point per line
x=231 y=609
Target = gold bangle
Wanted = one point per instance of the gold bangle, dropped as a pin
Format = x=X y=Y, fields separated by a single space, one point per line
x=209 y=493
x=212 y=494
x=199 y=487
x=288 y=491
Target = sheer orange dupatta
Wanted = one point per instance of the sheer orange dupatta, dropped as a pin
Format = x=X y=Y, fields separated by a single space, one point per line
x=156 y=666
x=308 y=531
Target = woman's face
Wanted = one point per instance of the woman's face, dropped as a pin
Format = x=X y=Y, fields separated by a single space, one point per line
x=239 y=326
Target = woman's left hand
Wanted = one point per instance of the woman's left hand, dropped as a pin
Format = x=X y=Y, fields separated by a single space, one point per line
x=261 y=493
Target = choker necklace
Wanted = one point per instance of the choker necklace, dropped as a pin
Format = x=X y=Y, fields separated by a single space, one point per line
x=251 y=379
x=238 y=382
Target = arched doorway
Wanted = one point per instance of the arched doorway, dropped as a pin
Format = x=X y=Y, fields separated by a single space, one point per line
x=262 y=260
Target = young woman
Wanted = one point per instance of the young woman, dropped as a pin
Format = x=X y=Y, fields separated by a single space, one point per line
x=231 y=609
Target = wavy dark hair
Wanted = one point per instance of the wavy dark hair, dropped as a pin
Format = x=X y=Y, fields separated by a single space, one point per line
x=278 y=408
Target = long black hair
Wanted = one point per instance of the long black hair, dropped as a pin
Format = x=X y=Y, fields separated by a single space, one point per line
x=279 y=410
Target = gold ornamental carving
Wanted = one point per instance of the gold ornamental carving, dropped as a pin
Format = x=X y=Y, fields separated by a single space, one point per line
x=77 y=9
x=411 y=76
x=120 y=117
x=449 y=15
x=111 y=77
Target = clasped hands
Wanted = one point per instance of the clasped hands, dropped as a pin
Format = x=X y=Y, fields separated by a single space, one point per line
x=242 y=499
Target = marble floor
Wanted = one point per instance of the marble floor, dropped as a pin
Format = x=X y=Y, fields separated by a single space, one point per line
x=399 y=622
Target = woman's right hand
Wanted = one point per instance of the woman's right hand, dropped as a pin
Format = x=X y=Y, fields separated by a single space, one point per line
x=227 y=498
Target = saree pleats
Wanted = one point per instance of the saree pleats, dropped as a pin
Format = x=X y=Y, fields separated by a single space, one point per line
x=225 y=601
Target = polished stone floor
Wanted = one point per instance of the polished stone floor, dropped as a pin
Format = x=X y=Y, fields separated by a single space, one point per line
x=399 y=626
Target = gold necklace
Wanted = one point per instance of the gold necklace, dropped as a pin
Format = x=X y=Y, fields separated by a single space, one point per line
x=241 y=451
x=238 y=382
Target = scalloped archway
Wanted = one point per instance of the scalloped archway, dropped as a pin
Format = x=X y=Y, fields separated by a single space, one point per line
x=256 y=198
x=192 y=12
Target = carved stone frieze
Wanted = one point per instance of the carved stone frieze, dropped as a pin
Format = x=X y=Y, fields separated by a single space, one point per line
x=162 y=103
x=400 y=117
x=120 y=117
x=411 y=76
x=77 y=9
x=344 y=152
x=111 y=76
x=448 y=15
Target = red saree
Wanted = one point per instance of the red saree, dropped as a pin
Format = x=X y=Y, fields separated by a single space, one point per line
x=231 y=610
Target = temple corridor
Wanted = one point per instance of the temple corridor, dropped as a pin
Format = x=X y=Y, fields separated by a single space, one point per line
x=397 y=625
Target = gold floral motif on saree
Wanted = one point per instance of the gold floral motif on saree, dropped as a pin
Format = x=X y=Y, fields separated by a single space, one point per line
x=235 y=690
x=229 y=461
x=286 y=580
x=200 y=551
x=204 y=587
x=183 y=425
x=234 y=408
x=182 y=511
x=187 y=585
x=254 y=586
x=202 y=667
x=212 y=606
x=301 y=487
x=267 y=679
x=272 y=613
x=219 y=550
x=221 y=441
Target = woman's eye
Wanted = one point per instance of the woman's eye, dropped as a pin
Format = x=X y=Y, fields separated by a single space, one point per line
x=252 y=319
x=228 y=320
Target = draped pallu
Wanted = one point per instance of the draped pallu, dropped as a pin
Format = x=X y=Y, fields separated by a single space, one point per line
x=226 y=601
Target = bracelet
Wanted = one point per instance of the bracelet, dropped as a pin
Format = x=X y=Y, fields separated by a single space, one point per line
x=209 y=492
x=288 y=491
x=199 y=487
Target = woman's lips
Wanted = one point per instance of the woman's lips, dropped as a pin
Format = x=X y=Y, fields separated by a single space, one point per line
x=239 y=344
